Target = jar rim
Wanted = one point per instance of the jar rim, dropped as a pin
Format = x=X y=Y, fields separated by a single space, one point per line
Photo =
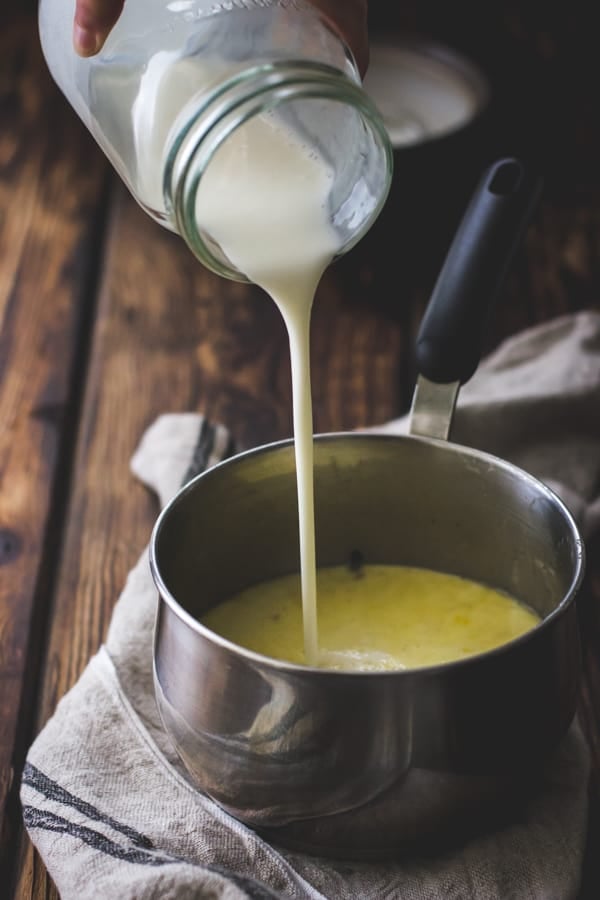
x=246 y=94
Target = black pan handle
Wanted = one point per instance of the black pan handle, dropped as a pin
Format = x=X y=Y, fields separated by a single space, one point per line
x=450 y=339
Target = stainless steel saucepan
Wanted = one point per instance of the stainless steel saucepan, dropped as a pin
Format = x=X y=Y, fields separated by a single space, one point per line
x=366 y=764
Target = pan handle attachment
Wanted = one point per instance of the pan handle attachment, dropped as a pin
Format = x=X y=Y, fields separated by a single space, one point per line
x=452 y=331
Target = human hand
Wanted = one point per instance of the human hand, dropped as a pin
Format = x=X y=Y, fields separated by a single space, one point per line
x=93 y=22
x=95 y=18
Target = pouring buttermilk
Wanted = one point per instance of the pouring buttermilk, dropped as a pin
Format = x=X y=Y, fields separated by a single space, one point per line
x=265 y=198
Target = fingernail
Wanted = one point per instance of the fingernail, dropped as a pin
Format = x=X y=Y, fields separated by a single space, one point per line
x=86 y=42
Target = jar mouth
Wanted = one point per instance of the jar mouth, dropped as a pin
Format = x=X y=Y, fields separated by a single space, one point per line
x=360 y=192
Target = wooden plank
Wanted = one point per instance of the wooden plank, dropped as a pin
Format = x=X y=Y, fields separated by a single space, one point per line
x=51 y=183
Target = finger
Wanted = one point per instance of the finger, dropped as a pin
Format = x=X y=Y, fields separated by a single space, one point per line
x=93 y=21
x=349 y=19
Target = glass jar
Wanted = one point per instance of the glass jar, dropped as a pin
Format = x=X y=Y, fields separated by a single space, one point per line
x=175 y=79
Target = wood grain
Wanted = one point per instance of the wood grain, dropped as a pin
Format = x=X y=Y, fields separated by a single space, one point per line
x=49 y=202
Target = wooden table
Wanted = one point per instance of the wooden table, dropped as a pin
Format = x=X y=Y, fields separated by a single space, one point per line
x=108 y=321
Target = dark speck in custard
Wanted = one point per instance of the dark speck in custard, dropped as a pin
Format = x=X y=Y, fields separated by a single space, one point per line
x=276 y=617
x=356 y=563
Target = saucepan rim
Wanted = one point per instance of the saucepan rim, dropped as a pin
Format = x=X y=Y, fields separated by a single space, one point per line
x=188 y=619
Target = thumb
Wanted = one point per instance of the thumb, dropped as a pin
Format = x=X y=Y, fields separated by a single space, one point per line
x=93 y=21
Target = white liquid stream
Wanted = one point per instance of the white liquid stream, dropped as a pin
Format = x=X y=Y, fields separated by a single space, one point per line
x=264 y=199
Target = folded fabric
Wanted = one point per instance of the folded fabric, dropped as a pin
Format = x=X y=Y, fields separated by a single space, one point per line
x=105 y=798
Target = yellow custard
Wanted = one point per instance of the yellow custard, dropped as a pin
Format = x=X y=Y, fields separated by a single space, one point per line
x=375 y=618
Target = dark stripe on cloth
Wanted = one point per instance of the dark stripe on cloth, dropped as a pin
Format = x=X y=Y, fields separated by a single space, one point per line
x=36 y=818
x=53 y=791
x=230 y=449
x=202 y=451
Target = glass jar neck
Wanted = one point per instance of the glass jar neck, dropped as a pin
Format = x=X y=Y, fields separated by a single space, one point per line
x=247 y=94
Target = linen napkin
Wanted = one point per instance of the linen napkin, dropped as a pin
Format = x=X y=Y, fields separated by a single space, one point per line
x=104 y=797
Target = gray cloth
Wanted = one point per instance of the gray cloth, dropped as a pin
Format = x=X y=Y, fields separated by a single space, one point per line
x=105 y=799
